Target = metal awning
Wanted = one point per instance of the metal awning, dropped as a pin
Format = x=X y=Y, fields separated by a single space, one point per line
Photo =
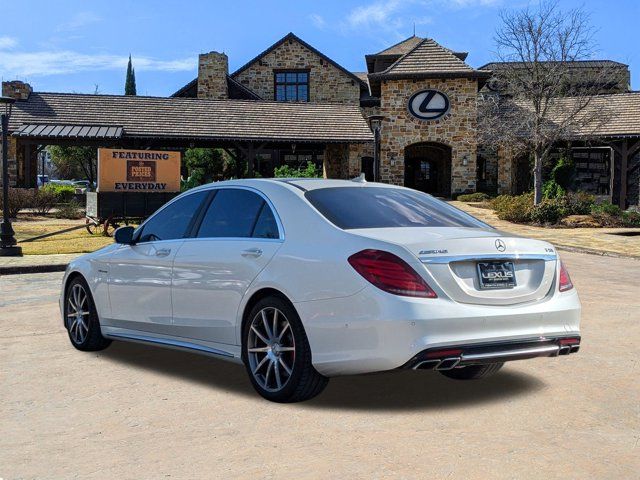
x=69 y=131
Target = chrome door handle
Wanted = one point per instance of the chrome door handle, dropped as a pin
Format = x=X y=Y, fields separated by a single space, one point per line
x=163 y=252
x=252 y=252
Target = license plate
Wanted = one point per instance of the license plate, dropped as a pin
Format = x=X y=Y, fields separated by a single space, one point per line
x=495 y=275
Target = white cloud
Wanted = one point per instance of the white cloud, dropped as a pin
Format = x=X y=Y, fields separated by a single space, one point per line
x=7 y=42
x=41 y=63
x=77 y=21
x=318 y=20
x=371 y=14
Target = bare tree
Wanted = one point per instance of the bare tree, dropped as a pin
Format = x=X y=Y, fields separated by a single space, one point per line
x=541 y=98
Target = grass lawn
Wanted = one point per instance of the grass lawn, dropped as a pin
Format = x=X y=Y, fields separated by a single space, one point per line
x=77 y=241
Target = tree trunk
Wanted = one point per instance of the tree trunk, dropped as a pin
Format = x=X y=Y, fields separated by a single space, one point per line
x=537 y=178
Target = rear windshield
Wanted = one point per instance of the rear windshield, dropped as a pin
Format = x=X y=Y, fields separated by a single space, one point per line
x=380 y=207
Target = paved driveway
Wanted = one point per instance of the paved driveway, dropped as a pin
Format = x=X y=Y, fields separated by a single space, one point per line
x=141 y=412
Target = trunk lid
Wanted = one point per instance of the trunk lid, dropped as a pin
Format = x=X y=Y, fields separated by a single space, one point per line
x=451 y=255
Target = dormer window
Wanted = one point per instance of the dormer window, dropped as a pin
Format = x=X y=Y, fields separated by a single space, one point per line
x=292 y=85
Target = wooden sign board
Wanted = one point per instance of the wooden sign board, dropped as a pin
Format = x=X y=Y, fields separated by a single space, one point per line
x=138 y=170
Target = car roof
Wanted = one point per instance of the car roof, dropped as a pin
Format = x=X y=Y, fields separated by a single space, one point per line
x=300 y=184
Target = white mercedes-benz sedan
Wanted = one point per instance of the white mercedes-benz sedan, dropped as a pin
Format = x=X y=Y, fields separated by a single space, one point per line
x=304 y=279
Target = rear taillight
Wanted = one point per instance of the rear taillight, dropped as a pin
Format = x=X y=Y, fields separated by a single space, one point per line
x=390 y=273
x=565 y=279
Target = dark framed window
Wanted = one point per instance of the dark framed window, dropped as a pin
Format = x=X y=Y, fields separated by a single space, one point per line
x=238 y=213
x=291 y=86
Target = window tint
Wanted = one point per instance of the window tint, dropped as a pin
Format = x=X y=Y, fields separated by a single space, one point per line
x=172 y=221
x=379 y=207
x=232 y=213
x=266 y=226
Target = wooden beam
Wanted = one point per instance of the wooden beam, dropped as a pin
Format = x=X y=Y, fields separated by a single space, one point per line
x=624 y=160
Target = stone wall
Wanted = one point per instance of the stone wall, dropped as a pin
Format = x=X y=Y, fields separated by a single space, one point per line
x=213 y=68
x=16 y=89
x=457 y=128
x=327 y=83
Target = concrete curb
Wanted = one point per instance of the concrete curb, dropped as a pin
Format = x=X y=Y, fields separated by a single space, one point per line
x=591 y=251
x=24 y=269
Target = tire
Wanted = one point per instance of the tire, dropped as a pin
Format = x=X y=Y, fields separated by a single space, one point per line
x=83 y=325
x=278 y=360
x=472 y=372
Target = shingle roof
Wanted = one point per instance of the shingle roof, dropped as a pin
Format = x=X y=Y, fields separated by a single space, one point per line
x=428 y=58
x=494 y=66
x=177 y=118
x=611 y=115
x=623 y=117
x=402 y=47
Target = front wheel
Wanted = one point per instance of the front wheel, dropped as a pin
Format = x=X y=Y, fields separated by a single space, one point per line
x=472 y=372
x=277 y=355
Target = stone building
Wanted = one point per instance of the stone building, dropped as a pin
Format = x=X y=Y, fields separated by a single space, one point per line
x=291 y=104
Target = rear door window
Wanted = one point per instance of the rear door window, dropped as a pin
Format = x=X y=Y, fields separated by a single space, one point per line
x=238 y=213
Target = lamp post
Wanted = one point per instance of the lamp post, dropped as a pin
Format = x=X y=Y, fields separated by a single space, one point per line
x=8 y=242
x=376 y=125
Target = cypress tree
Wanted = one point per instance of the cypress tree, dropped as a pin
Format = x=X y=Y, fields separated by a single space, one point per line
x=130 y=82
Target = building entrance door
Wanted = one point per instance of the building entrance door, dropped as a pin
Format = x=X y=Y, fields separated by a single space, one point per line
x=427 y=167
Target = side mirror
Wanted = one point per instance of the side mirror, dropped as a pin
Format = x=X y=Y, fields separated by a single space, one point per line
x=124 y=235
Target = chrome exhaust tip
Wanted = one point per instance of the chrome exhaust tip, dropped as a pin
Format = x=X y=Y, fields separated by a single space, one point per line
x=448 y=363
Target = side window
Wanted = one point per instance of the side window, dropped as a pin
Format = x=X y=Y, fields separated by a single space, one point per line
x=232 y=213
x=266 y=226
x=172 y=221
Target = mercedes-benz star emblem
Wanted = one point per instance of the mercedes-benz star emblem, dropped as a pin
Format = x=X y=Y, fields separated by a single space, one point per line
x=500 y=245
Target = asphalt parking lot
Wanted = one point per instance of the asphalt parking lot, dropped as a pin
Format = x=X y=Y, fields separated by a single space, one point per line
x=137 y=412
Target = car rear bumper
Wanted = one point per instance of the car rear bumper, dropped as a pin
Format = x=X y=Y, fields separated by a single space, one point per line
x=373 y=331
x=464 y=355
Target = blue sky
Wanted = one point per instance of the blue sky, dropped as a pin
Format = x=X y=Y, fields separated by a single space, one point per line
x=72 y=46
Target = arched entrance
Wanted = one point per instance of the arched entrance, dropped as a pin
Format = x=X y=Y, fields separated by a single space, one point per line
x=427 y=167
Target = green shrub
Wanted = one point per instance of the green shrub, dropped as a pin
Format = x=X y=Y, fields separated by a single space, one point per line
x=579 y=203
x=473 y=197
x=551 y=189
x=606 y=208
x=631 y=218
x=19 y=199
x=285 y=171
x=549 y=211
x=513 y=208
x=71 y=210
x=63 y=193
x=43 y=201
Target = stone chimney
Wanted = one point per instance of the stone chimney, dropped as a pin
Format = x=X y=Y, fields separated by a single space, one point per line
x=16 y=89
x=213 y=68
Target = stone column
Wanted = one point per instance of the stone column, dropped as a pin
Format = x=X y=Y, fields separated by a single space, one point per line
x=213 y=68
x=20 y=91
x=505 y=172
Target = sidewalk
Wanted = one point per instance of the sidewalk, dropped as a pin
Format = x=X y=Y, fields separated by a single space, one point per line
x=601 y=241
x=35 y=263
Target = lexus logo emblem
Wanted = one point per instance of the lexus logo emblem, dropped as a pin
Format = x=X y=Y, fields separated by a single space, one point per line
x=428 y=104
x=500 y=245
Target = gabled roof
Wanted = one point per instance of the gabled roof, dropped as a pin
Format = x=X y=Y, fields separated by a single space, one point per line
x=189 y=118
x=428 y=59
x=291 y=36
